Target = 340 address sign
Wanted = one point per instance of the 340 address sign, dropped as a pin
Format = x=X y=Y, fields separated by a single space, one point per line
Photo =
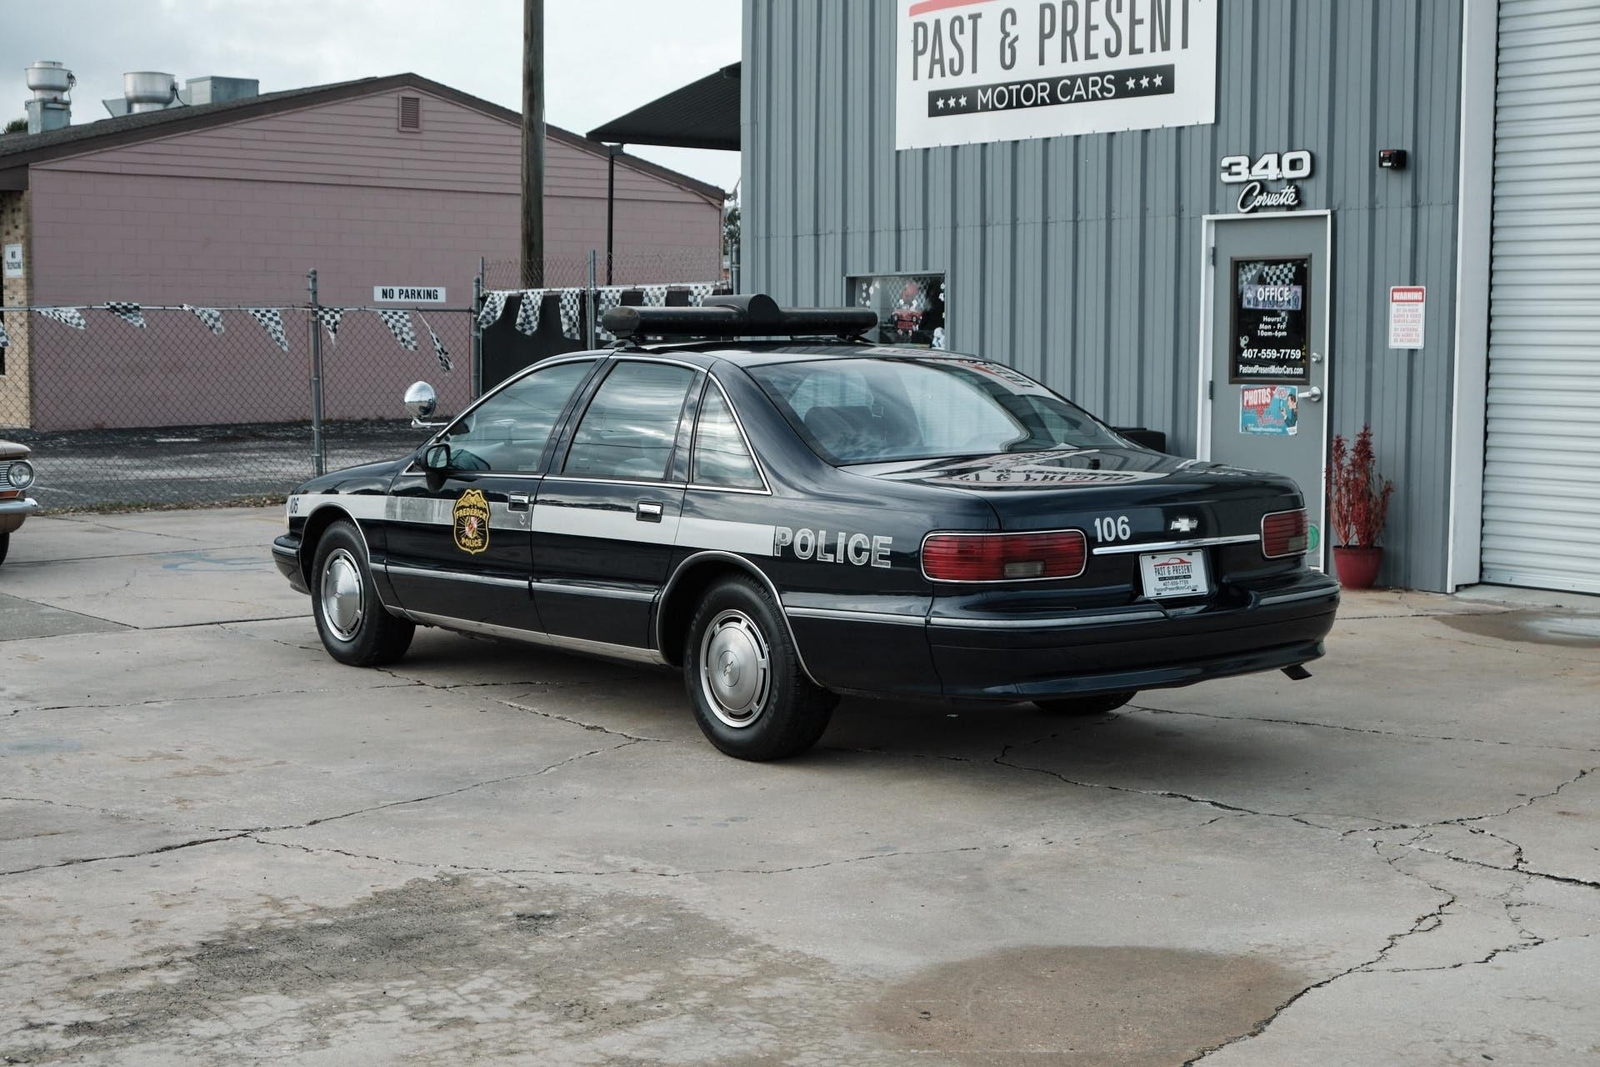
x=1268 y=167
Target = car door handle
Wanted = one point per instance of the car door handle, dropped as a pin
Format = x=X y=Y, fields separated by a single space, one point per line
x=648 y=511
x=517 y=501
x=1314 y=394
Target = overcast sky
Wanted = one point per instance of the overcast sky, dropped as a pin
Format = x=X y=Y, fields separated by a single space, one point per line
x=603 y=58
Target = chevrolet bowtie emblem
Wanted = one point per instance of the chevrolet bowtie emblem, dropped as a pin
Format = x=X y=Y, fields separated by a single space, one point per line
x=1185 y=524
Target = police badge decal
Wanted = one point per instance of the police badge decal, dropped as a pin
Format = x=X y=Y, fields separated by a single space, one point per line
x=472 y=522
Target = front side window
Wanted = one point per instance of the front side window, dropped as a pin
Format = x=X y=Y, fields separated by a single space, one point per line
x=632 y=423
x=720 y=457
x=508 y=432
x=877 y=410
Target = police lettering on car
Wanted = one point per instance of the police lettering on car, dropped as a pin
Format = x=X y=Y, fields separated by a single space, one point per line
x=766 y=496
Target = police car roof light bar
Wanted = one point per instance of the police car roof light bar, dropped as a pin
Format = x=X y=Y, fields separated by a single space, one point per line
x=755 y=315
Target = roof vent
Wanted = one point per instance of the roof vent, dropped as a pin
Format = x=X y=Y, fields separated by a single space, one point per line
x=149 y=90
x=51 y=106
x=411 y=113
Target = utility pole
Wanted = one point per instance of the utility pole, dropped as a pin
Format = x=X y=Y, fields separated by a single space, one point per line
x=533 y=144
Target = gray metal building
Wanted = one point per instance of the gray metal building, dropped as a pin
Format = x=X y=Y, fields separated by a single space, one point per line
x=1104 y=245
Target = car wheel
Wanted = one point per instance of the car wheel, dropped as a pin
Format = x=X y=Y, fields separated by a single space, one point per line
x=1098 y=704
x=750 y=695
x=355 y=627
x=5 y=546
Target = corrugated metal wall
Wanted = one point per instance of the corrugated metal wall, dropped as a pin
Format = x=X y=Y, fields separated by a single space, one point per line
x=1077 y=260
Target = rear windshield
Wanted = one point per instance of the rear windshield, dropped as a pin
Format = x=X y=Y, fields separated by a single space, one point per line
x=874 y=410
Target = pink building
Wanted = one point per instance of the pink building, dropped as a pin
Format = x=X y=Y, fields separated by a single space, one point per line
x=384 y=181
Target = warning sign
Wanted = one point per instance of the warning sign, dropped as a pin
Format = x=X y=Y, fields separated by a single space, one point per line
x=1407 y=306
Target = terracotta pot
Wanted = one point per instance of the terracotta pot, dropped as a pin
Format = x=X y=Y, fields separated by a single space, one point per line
x=1357 y=565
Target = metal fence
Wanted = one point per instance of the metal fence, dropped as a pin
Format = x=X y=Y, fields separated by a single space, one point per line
x=131 y=406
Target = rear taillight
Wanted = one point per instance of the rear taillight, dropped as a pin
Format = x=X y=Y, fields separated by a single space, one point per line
x=952 y=557
x=1283 y=533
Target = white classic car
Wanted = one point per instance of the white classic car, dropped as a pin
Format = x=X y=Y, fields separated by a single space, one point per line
x=16 y=475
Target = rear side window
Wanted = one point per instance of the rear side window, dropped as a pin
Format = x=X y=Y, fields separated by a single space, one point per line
x=720 y=457
x=877 y=410
x=632 y=423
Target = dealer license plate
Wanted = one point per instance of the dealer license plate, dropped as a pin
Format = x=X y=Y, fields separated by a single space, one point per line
x=1169 y=574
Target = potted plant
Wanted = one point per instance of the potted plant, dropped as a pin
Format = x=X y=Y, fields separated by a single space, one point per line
x=1358 y=497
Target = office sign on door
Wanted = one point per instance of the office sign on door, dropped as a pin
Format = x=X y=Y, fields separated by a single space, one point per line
x=970 y=71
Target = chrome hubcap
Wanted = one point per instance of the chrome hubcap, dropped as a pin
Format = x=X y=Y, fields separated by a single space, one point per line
x=735 y=669
x=343 y=600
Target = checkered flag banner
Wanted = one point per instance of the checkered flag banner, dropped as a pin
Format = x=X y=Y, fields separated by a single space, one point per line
x=4 y=339
x=571 y=304
x=65 y=316
x=1278 y=274
x=271 y=321
x=329 y=317
x=127 y=311
x=655 y=296
x=399 y=323
x=211 y=317
x=699 y=291
x=494 y=305
x=439 y=350
x=532 y=303
x=609 y=297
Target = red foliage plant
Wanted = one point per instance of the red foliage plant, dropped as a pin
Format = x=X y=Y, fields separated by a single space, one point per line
x=1358 y=495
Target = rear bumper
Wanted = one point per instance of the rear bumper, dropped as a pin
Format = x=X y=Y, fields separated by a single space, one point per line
x=12 y=512
x=286 y=555
x=1140 y=647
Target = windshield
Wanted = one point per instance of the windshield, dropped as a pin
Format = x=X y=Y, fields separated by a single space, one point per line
x=874 y=410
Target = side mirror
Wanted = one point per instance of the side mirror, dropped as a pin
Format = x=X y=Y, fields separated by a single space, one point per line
x=436 y=458
x=422 y=402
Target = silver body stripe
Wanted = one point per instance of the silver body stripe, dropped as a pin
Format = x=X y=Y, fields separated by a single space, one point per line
x=1043 y=624
x=746 y=538
x=846 y=615
x=606 y=524
x=395 y=570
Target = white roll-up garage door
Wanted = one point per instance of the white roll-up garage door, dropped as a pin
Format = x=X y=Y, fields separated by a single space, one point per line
x=1541 y=488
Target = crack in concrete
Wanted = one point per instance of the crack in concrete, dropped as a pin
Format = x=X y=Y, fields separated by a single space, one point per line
x=124 y=855
x=1463 y=820
x=1364 y=730
x=209 y=696
x=570 y=721
x=1426 y=923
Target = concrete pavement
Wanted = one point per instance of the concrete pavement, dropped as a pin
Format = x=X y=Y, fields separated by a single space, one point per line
x=218 y=845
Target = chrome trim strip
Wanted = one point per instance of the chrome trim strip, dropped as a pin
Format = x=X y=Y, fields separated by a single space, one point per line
x=1164 y=546
x=580 y=589
x=1302 y=594
x=397 y=570
x=749 y=568
x=846 y=615
x=611 y=481
x=566 y=644
x=23 y=506
x=1043 y=624
x=922 y=558
x=292 y=553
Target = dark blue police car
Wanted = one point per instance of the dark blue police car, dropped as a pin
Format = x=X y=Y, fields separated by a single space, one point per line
x=791 y=519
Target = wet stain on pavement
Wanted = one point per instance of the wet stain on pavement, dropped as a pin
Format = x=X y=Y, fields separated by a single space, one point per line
x=1538 y=627
x=1072 y=1005
x=452 y=970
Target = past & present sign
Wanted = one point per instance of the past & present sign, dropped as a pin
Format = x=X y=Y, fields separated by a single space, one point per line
x=971 y=71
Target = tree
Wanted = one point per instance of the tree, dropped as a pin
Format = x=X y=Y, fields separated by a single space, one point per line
x=16 y=126
x=730 y=229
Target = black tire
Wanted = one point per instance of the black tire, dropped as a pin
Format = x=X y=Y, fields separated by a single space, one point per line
x=354 y=626
x=1098 y=704
x=760 y=705
x=5 y=545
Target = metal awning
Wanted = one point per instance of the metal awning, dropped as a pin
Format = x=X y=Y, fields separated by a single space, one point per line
x=702 y=114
